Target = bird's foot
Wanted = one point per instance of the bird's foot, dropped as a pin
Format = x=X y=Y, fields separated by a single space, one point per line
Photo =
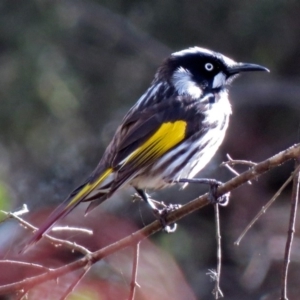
x=160 y=210
x=162 y=214
x=213 y=189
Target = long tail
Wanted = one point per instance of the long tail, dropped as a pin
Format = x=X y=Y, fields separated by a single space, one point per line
x=77 y=196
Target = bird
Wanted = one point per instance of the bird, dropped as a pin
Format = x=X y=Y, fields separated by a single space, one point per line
x=169 y=134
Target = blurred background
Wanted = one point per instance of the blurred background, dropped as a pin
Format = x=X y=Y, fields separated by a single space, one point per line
x=70 y=70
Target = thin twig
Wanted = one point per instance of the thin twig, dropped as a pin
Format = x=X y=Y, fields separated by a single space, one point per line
x=265 y=207
x=232 y=170
x=72 y=287
x=291 y=232
x=57 y=242
x=217 y=290
x=20 y=212
x=134 y=283
x=152 y=228
x=23 y=263
x=73 y=229
x=232 y=162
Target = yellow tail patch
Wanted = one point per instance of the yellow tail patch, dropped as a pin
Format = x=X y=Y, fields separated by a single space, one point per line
x=89 y=187
x=166 y=137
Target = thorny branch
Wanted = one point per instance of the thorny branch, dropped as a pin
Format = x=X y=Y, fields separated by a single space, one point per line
x=134 y=238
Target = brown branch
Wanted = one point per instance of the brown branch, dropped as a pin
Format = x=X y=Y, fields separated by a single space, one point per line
x=231 y=162
x=291 y=232
x=134 y=283
x=217 y=292
x=14 y=263
x=265 y=207
x=72 y=287
x=254 y=172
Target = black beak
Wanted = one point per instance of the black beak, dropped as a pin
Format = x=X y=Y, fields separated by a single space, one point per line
x=245 y=67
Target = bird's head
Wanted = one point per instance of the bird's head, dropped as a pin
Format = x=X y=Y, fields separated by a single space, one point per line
x=196 y=71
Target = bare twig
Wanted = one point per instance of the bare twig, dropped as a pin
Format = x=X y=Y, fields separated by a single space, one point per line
x=217 y=290
x=71 y=288
x=291 y=231
x=134 y=283
x=7 y=263
x=73 y=229
x=57 y=242
x=232 y=162
x=232 y=170
x=264 y=208
x=152 y=228
x=20 y=212
x=14 y=263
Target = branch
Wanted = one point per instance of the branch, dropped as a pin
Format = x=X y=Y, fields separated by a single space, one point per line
x=134 y=283
x=291 y=231
x=136 y=237
x=217 y=292
x=265 y=207
x=13 y=263
x=72 y=287
x=55 y=241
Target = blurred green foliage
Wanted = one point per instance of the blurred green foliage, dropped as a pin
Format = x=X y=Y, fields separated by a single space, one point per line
x=4 y=197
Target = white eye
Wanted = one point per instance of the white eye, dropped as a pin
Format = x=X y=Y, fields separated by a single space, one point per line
x=208 y=67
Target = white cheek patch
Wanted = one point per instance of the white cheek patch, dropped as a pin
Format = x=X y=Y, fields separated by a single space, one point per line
x=219 y=80
x=184 y=84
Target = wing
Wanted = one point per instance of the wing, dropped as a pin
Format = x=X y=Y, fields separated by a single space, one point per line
x=148 y=135
x=143 y=137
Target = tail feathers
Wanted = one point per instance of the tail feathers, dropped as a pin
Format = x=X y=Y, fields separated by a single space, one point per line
x=93 y=204
x=67 y=206
x=62 y=210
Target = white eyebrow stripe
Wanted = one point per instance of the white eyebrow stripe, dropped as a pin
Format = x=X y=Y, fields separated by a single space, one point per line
x=192 y=50
x=228 y=61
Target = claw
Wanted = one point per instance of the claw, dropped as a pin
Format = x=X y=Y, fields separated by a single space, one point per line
x=162 y=214
x=213 y=198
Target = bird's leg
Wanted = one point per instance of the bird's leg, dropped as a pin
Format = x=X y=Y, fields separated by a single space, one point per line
x=162 y=213
x=213 y=188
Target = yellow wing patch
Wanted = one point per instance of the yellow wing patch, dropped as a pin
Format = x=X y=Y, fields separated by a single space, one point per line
x=166 y=137
x=89 y=187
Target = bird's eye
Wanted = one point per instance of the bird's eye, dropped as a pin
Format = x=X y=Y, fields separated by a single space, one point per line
x=209 y=67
